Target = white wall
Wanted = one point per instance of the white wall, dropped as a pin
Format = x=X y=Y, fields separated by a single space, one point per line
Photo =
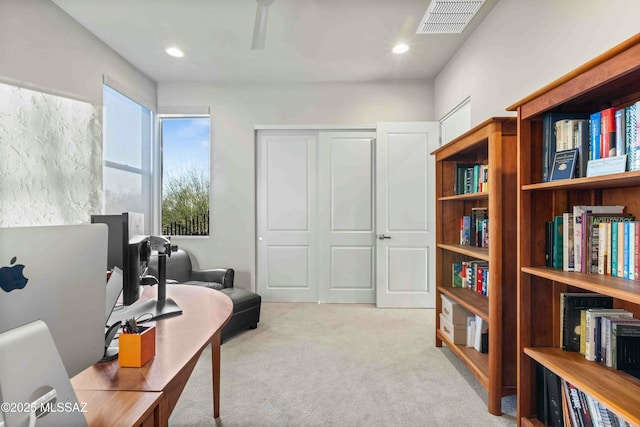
x=522 y=45
x=52 y=171
x=237 y=108
x=43 y=48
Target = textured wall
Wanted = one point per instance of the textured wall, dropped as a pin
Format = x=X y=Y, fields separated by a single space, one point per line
x=50 y=158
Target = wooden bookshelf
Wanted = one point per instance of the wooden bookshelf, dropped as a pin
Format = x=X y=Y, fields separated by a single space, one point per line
x=493 y=143
x=610 y=80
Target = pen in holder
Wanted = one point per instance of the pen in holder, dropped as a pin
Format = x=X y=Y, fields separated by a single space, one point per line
x=137 y=344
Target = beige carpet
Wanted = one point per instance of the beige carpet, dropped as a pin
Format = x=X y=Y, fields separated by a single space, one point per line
x=338 y=365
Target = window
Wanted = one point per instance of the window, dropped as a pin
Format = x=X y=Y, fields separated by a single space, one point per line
x=128 y=133
x=185 y=175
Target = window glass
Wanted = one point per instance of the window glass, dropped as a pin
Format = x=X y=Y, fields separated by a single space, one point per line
x=128 y=133
x=185 y=175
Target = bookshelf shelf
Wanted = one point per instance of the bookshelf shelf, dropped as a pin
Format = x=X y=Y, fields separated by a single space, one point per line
x=617 y=180
x=624 y=289
x=492 y=143
x=470 y=196
x=477 y=362
x=610 y=80
x=477 y=304
x=612 y=388
x=472 y=251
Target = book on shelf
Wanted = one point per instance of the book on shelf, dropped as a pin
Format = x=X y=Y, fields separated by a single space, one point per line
x=481 y=341
x=591 y=238
x=611 y=334
x=594 y=135
x=473 y=277
x=471 y=331
x=548 y=246
x=465 y=230
x=471 y=178
x=542 y=395
x=570 y=305
x=549 y=142
x=631 y=136
x=626 y=353
x=478 y=215
x=607 y=133
x=456 y=275
x=554 y=396
x=591 y=336
x=578 y=408
x=557 y=251
x=619 y=116
x=567 y=242
x=578 y=211
x=603 y=328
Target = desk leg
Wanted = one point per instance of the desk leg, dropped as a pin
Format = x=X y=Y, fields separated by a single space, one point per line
x=215 y=369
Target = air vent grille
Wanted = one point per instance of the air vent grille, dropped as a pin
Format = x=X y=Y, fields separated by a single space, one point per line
x=448 y=16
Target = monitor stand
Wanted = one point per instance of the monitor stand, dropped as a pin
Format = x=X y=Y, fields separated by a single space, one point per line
x=153 y=309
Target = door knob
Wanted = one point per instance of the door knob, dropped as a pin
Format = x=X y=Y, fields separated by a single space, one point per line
x=382 y=237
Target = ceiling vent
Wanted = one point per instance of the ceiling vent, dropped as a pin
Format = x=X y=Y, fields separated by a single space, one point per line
x=448 y=16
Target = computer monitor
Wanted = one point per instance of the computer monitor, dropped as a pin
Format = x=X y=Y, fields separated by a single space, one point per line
x=128 y=249
x=57 y=274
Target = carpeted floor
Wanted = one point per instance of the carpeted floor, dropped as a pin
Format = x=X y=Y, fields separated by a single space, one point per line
x=338 y=365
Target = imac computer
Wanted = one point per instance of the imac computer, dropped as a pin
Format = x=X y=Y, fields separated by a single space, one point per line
x=52 y=281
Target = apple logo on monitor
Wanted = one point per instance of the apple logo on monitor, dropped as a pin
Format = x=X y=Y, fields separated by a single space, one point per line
x=11 y=277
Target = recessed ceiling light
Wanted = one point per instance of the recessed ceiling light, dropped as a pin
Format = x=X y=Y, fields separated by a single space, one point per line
x=400 y=48
x=174 y=51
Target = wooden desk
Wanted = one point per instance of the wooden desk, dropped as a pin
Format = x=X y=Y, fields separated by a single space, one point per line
x=134 y=408
x=179 y=342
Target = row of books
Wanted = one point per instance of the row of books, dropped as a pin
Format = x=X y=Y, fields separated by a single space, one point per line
x=473 y=275
x=561 y=404
x=471 y=178
x=477 y=334
x=595 y=240
x=474 y=228
x=591 y=326
x=607 y=133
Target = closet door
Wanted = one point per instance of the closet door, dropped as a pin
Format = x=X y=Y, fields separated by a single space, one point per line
x=346 y=221
x=286 y=206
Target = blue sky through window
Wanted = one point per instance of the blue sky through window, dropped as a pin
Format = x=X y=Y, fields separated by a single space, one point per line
x=185 y=146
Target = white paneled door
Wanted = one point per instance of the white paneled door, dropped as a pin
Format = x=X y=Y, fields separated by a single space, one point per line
x=405 y=262
x=346 y=221
x=347 y=216
x=287 y=211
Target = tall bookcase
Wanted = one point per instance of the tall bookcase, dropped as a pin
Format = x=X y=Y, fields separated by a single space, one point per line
x=491 y=143
x=609 y=80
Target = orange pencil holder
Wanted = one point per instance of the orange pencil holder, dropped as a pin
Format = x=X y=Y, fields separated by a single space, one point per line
x=137 y=349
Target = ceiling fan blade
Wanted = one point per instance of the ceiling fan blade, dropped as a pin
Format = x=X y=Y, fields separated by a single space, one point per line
x=260 y=26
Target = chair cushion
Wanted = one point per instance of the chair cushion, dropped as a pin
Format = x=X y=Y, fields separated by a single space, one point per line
x=212 y=285
x=242 y=299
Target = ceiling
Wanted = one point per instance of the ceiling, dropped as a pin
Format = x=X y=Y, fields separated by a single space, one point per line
x=306 y=40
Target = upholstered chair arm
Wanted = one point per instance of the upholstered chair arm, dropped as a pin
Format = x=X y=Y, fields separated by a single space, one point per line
x=219 y=275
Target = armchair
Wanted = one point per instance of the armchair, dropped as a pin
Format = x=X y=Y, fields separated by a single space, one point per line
x=179 y=270
x=246 y=304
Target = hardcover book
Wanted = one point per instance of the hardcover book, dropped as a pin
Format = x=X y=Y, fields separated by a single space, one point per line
x=570 y=306
x=627 y=354
x=557 y=250
x=564 y=165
